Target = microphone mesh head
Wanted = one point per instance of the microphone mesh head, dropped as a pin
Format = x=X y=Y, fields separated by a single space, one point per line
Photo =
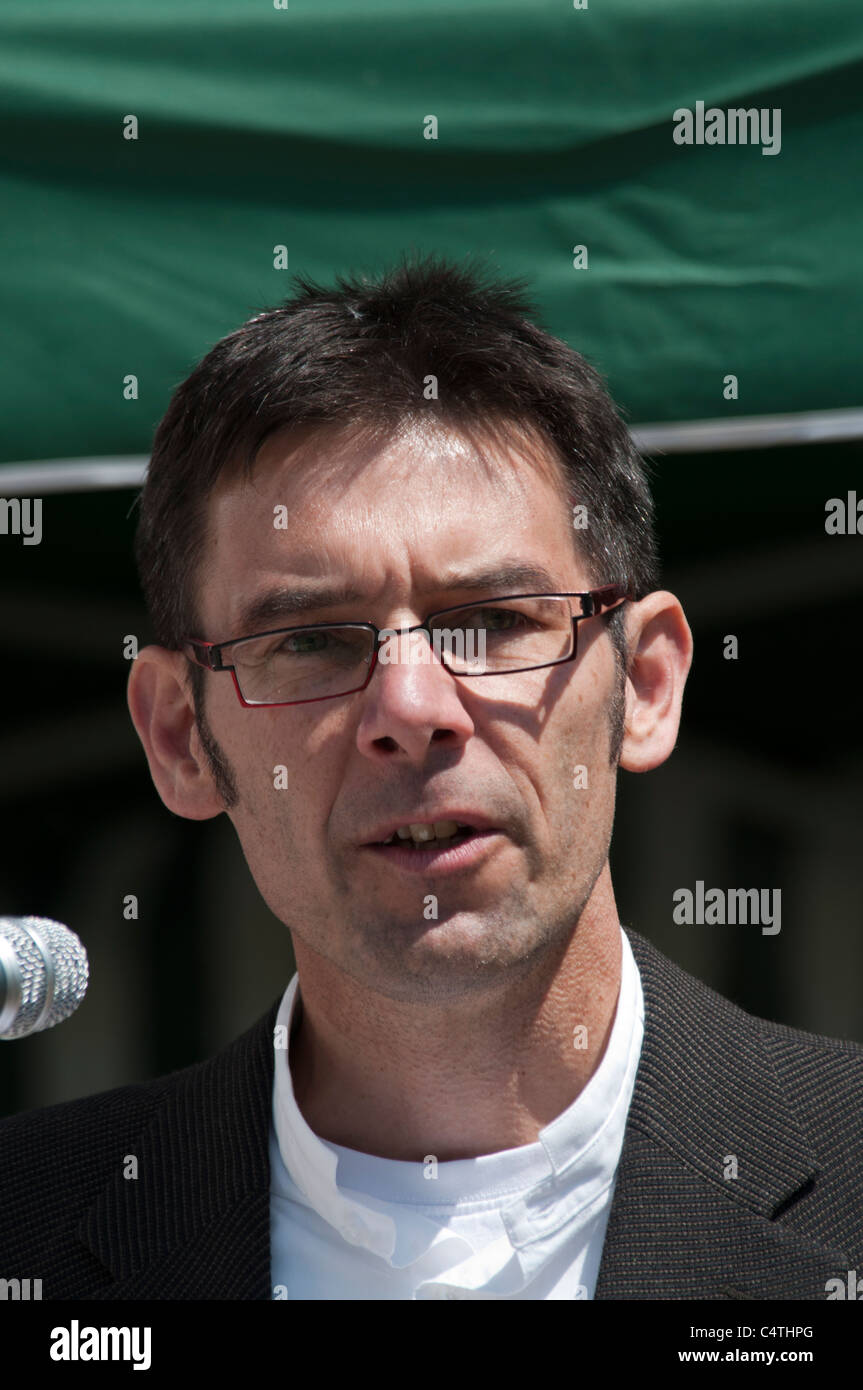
x=71 y=971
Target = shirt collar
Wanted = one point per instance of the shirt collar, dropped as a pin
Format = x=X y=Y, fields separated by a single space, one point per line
x=580 y=1148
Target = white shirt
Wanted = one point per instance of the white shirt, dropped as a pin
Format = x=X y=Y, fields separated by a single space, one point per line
x=525 y=1223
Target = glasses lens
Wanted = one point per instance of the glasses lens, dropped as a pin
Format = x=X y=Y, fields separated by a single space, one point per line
x=306 y=663
x=504 y=635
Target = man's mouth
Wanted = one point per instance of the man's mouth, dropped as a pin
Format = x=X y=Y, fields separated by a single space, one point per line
x=443 y=832
x=443 y=847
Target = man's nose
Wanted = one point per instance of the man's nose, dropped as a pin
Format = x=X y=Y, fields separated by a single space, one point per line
x=411 y=699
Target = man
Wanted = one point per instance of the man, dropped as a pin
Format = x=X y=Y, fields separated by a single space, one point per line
x=398 y=551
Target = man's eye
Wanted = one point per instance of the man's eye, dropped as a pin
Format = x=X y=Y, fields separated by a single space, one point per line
x=302 y=643
x=340 y=645
x=494 y=619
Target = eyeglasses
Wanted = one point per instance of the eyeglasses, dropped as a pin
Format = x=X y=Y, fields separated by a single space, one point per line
x=493 y=637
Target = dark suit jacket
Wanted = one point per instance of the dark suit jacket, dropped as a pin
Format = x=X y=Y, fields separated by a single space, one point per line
x=713 y=1082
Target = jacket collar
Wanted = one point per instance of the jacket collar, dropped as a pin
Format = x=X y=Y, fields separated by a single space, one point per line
x=708 y=1103
x=196 y=1221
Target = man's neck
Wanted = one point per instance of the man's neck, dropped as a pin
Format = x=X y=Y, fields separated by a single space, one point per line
x=404 y=1082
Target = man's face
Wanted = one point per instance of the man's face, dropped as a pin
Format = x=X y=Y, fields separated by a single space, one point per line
x=417 y=740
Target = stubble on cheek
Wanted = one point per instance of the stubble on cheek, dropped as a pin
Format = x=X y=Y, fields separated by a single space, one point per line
x=582 y=821
x=221 y=770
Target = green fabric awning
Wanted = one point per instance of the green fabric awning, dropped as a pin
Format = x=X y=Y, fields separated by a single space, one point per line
x=304 y=127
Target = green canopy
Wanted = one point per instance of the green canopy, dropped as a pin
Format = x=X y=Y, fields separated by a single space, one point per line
x=306 y=126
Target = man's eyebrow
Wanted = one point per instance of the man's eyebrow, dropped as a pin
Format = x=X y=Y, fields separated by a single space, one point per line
x=286 y=601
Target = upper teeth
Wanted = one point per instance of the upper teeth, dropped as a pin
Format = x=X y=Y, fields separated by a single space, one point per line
x=439 y=830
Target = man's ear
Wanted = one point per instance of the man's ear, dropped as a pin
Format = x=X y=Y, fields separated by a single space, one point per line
x=163 y=713
x=661 y=645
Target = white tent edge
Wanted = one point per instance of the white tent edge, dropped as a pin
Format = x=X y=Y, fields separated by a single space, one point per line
x=689 y=437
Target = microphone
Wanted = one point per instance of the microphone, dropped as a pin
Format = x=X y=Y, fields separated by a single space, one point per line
x=43 y=975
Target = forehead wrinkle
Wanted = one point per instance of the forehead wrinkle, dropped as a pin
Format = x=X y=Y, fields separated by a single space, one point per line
x=521 y=455
x=332 y=456
x=334 y=524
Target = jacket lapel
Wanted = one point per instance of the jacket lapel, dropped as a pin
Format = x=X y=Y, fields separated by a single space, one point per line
x=708 y=1103
x=195 y=1221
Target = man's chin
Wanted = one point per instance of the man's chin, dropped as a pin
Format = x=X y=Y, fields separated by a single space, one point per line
x=417 y=959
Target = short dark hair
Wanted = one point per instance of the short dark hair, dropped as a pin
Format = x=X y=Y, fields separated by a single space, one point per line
x=359 y=357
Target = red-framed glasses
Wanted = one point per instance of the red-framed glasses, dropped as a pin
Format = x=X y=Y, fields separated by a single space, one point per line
x=487 y=637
